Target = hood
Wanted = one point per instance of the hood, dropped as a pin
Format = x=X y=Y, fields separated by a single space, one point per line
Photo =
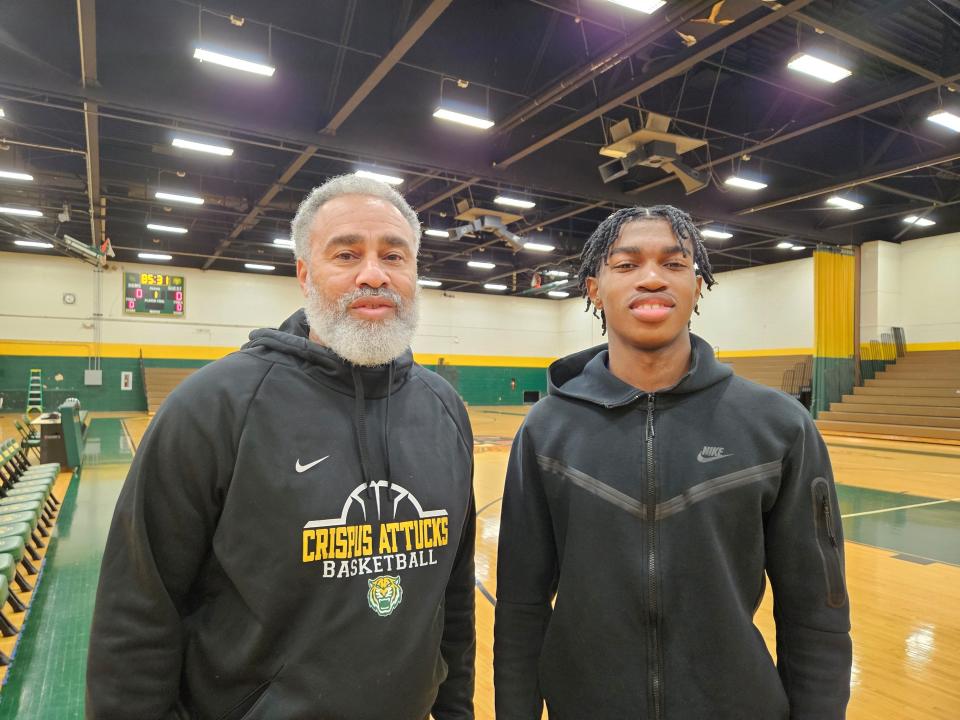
x=585 y=376
x=292 y=338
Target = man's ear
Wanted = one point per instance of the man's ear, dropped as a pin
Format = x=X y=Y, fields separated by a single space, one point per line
x=593 y=287
x=303 y=276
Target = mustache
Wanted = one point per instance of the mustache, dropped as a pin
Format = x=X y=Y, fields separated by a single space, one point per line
x=347 y=299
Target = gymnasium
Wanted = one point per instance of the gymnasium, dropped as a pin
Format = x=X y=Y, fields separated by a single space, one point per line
x=153 y=154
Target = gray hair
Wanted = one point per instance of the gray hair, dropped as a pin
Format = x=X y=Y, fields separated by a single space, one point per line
x=346 y=185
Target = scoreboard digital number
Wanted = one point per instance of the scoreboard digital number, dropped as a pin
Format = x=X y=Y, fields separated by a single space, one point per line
x=153 y=294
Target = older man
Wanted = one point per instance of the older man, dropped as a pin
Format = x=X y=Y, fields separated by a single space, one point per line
x=295 y=537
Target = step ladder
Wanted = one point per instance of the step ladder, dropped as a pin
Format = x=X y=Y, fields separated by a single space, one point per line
x=35 y=392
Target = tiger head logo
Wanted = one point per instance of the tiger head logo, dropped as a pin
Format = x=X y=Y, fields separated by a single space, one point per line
x=384 y=594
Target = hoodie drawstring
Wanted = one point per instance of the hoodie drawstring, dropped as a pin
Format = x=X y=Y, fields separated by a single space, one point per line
x=360 y=425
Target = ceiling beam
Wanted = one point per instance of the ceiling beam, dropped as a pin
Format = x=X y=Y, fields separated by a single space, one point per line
x=253 y=216
x=366 y=87
x=843 y=114
x=898 y=213
x=854 y=182
x=669 y=19
x=872 y=49
x=413 y=33
x=716 y=42
x=447 y=193
x=87 y=26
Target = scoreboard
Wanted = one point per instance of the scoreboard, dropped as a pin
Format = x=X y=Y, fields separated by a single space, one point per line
x=154 y=294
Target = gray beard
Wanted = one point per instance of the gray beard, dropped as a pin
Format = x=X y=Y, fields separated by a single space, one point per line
x=368 y=343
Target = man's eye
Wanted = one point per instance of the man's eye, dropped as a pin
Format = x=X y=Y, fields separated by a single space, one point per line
x=624 y=266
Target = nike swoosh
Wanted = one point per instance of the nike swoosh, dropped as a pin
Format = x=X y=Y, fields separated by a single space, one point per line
x=703 y=459
x=304 y=468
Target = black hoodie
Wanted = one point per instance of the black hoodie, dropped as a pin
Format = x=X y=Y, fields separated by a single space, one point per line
x=294 y=541
x=651 y=519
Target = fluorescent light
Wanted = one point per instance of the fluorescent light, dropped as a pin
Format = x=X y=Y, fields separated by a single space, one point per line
x=820 y=69
x=9 y=175
x=922 y=222
x=558 y=294
x=202 y=147
x=20 y=211
x=283 y=242
x=644 y=6
x=258 y=266
x=429 y=283
x=166 y=228
x=513 y=202
x=557 y=273
x=154 y=256
x=947 y=119
x=388 y=179
x=494 y=286
x=744 y=183
x=463 y=118
x=539 y=247
x=481 y=265
x=173 y=197
x=785 y=245
x=798 y=247
x=436 y=233
x=33 y=244
x=231 y=62
x=2 y=114
x=843 y=203
x=716 y=234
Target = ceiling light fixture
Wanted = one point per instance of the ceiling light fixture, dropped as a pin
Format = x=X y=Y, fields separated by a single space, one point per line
x=644 y=6
x=557 y=273
x=716 y=234
x=922 y=222
x=818 y=68
x=154 y=256
x=947 y=119
x=558 y=294
x=463 y=118
x=10 y=175
x=2 y=114
x=204 y=55
x=844 y=203
x=514 y=202
x=283 y=242
x=23 y=212
x=436 y=233
x=258 y=266
x=185 y=144
x=785 y=245
x=33 y=244
x=480 y=265
x=429 y=283
x=744 y=183
x=173 y=197
x=798 y=247
x=494 y=286
x=388 y=179
x=539 y=247
x=166 y=228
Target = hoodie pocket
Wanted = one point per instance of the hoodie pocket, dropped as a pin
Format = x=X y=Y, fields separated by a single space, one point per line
x=828 y=542
x=247 y=705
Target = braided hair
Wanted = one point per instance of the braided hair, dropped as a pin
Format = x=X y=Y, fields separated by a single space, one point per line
x=597 y=248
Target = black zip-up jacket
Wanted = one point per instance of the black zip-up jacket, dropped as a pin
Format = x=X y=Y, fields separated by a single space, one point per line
x=651 y=519
x=294 y=541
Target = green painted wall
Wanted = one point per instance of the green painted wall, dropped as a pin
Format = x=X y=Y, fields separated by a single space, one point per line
x=476 y=385
x=15 y=374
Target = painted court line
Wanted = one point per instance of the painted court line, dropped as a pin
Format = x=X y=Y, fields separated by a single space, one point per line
x=899 y=507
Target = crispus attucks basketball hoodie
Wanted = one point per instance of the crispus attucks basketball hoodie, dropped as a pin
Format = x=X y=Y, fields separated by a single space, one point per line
x=650 y=520
x=294 y=541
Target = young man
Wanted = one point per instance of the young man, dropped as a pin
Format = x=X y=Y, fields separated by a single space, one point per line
x=645 y=498
x=295 y=537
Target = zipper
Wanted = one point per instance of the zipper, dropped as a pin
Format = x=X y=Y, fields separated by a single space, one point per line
x=656 y=675
x=828 y=544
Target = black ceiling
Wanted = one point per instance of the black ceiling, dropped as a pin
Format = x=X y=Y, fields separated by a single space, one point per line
x=554 y=74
